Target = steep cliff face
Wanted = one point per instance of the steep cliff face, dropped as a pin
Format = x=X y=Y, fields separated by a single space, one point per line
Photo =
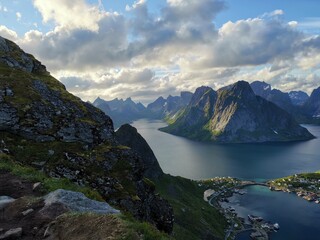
x=235 y=114
x=298 y=98
x=129 y=136
x=312 y=105
x=189 y=121
x=281 y=99
x=43 y=125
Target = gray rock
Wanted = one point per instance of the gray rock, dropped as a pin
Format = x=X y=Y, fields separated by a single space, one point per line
x=13 y=233
x=5 y=200
x=36 y=186
x=8 y=116
x=50 y=152
x=78 y=202
x=28 y=211
x=8 y=92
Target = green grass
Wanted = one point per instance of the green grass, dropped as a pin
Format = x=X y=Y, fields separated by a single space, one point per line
x=49 y=184
x=194 y=217
x=141 y=230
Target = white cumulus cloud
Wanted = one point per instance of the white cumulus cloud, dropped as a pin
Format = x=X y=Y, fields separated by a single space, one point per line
x=76 y=14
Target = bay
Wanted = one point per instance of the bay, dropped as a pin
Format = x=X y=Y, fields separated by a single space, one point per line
x=298 y=218
x=197 y=160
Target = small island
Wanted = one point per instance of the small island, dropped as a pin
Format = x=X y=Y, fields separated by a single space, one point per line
x=305 y=185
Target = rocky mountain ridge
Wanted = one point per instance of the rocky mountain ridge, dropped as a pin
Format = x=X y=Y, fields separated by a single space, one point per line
x=312 y=105
x=235 y=114
x=122 y=111
x=44 y=126
x=162 y=108
x=302 y=107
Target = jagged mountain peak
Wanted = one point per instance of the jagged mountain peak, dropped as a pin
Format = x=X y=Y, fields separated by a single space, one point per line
x=236 y=114
x=261 y=84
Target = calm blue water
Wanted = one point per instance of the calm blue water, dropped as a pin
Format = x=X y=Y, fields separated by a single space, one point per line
x=298 y=219
x=196 y=160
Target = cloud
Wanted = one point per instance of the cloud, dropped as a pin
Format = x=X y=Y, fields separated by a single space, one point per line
x=252 y=42
x=80 y=49
x=76 y=14
x=144 y=54
x=18 y=15
x=8 y=33
x=3 y=8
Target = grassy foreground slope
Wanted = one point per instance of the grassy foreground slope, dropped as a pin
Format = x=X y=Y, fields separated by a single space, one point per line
x=194 y=218
x=75 y=226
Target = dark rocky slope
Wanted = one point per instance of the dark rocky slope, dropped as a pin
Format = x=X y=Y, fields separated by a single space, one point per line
x=281 y=99
x=312 y=105
x=298 y=98
x=129 y=136
x=44 y=126
x=235 y=114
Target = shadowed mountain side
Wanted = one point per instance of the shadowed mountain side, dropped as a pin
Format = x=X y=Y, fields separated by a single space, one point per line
x=129 y=136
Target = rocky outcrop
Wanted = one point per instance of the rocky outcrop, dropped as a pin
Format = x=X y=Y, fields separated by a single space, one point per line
x=129 y=136
x=44 y=126
x=50 y=115
x=13 y=56
x=312 y=105
x=14 y=233
x=235 y=114
x=77 y=202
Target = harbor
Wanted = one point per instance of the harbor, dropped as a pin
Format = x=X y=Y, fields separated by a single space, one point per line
x=221 y=189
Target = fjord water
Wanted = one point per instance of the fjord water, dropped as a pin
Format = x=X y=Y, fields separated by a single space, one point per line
x=298 y=219
x=198 y=160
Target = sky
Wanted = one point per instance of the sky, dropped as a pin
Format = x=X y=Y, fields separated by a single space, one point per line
x=145 y=49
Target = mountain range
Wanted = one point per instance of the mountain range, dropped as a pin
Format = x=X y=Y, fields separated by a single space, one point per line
x=302 y=107
x=122 y=111
x=162 y=108
x=126 y=111
x=235 y=114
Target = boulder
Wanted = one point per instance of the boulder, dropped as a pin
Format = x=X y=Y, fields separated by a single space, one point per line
x=14 y=233
x=78 y=202
x=5 y=200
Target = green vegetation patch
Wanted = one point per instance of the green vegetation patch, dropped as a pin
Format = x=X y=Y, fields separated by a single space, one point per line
x=194 y=218
x=141 y=230
x=49 y=184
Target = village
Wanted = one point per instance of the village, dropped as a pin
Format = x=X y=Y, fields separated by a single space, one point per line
x=306 y=186
x=219 y=189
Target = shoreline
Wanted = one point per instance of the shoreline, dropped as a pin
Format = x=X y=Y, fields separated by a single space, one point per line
x=304 y=185
x=228 y=187
x=219 y=189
